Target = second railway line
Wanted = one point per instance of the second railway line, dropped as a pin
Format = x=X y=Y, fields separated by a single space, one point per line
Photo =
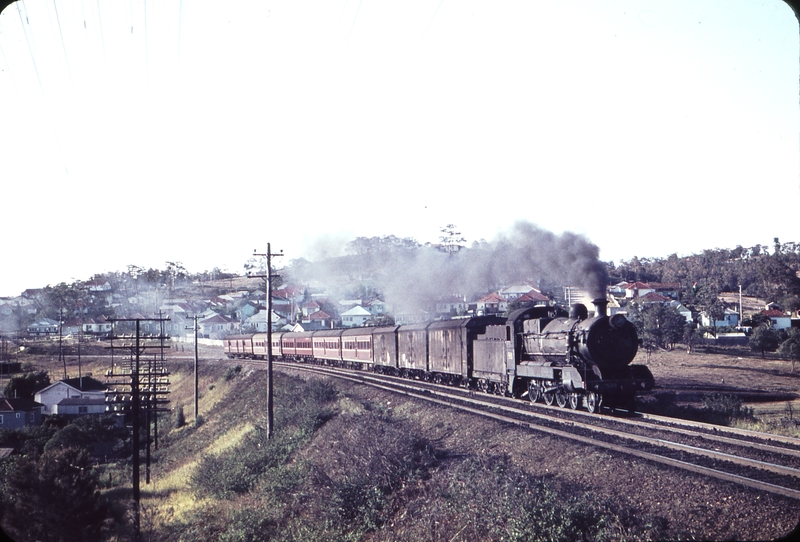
x=756 y=462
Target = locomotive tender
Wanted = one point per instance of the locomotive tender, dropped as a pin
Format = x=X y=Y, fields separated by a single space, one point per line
x=540 y=352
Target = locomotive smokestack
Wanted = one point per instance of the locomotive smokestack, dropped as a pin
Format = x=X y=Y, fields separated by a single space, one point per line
x=600 y=306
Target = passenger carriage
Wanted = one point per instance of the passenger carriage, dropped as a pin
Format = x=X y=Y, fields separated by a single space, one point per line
x=327 y=345
x=239 y=346
x=357 y=347
x=297 y=345
x=260 y=345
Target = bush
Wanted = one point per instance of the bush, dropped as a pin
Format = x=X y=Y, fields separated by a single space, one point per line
x=488 y=498
x=232 y=372
x=180 y=417
x=726 y=409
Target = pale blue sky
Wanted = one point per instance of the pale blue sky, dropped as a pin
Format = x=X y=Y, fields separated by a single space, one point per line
x=137 y=132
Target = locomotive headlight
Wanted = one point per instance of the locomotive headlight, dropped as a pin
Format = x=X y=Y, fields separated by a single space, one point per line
x=617 y=321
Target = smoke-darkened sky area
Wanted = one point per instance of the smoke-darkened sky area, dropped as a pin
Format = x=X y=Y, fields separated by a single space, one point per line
x=136 y=132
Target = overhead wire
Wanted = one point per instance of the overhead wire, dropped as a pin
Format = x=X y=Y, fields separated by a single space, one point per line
x=5 y=59
x=28 y=41
x=432 y=18
x=63 y=45
x=100 y=29
x=352 y=26
x=180 y=26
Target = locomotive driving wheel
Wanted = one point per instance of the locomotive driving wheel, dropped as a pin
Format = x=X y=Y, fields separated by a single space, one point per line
x=534 y=392
x=549 y=397
x=593 y=401
x=574 y=400
x=561 y=397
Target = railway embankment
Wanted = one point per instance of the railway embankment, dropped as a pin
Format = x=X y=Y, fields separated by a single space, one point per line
x=349 y=462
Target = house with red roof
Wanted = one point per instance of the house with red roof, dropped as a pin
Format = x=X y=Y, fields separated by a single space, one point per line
x=492 y=303
x=534 y=297
x=317 y=320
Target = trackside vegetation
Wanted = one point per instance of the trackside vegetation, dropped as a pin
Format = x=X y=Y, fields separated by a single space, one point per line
x=345 y=463
x=343 y=468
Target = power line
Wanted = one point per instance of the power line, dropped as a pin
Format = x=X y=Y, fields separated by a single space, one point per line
x=354 y=21
x=63 y=46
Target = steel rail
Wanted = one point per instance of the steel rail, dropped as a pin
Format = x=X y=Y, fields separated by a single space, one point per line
x=714 y=473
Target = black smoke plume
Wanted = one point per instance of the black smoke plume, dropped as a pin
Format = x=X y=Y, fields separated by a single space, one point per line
x=414 y=277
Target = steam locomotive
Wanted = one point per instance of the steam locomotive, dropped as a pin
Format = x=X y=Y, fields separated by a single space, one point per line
x=541 y=352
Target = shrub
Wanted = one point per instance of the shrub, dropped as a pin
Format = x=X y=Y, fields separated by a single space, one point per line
x=180 y=417
x=232 y=372
x=725 y=409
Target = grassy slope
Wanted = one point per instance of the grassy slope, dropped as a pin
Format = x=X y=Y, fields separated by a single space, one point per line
x=363 y=464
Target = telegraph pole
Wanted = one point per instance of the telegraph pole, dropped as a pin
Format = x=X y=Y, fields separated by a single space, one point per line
x=196 y=374
x=268 y=278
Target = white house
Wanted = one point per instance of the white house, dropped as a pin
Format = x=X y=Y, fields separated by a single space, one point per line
x=43 y=328
x=80 y=406
x=683 y=310
x=778 y=318
x=72 y=388
x=516 y=291
x=355 y=317
x=258 y=322
x=492 y=303
x=730 y=319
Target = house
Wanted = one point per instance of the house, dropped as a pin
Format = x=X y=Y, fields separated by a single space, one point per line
x=683 y=310
x=413 y=316
x=6 y=308
x=729 y=319
x=98 y=285
x=451 y=305
x=17 y=413
x=637 y=289
x=376 y=307
x=778 y=318
x=355 y=317
x=653 y=298
x=317 y=320
x=492 y=303
x=43 y=328
x=99 y=327
x=514 y=292
x=668 y=289
x=534 y=297
x=310 y=307
x=258 y=322
x=85 y=387
x=73 y=326
x=248 y=309
x=215 y=327
x=80 y=406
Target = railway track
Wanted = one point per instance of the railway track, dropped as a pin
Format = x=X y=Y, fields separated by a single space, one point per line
x=758 y=461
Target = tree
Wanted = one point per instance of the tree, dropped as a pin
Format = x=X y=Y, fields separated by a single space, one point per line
x=763 y=339
x=26 y=385
x=790 y=348
x=659 y=325
x=55 y=498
